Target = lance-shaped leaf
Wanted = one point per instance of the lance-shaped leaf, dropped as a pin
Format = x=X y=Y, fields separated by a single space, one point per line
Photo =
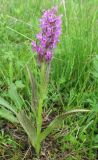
x=28 y=126
x=6 y=114
x=34 y=90
x=15 y=97
x=57 y=121
x=5 y=104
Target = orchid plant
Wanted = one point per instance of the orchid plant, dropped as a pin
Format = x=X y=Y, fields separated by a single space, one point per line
x=47 y=40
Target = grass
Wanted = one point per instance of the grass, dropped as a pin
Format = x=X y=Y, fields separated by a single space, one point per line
x=73 y=80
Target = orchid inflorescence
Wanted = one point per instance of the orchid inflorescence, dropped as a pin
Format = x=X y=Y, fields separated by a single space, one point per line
x=50 y=25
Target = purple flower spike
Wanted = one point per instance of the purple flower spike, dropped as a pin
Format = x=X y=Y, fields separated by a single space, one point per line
x=49 y=36
x=48 y=56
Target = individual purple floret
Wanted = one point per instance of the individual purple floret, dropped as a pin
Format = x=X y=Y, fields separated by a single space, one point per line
x=50 y=25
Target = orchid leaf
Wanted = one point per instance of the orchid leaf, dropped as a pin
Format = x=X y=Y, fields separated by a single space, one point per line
x=28 y=126
x=15 y=97
x=34 y=90
x=5 y=104
x=6 y=114
x=57 y=121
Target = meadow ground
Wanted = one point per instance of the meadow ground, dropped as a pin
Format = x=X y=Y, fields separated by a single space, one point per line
x=73 y=80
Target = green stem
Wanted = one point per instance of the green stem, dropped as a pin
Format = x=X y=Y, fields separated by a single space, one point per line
x=43 y=87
